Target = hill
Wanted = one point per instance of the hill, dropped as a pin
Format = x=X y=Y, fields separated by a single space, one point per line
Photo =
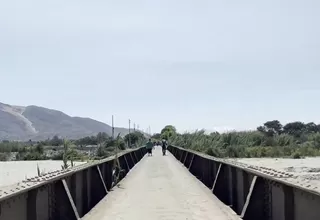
x=39 y=123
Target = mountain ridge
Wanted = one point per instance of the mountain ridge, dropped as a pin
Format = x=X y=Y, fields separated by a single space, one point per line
x=34 y=122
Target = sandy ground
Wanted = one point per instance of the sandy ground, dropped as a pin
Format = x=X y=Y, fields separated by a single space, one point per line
x=159 y=187
x=306 y=170
x=12 y=172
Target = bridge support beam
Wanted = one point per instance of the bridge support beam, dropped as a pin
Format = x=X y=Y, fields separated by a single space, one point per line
x=185 y=158
x=72 y=204
x=128 y=167
x=102 y=180
x=254 y=205
x=189 y=167
x=32 y=205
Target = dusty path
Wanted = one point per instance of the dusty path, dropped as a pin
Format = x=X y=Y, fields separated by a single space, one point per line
x=159 y=187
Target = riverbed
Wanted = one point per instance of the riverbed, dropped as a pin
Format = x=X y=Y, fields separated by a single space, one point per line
x=12 y=172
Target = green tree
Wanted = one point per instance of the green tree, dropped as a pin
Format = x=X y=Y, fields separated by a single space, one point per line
x=156 y=136
x=56 y=141
x=311 y=128
x=102 y=137
x=3 y=156
x=135 y=138
x=168 y=132
x=89 y=140
x=294 y=128
x=39 y=148
x=271 y=128
x=66 y=155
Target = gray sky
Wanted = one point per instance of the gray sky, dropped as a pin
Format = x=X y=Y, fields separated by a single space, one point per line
x=194 y=64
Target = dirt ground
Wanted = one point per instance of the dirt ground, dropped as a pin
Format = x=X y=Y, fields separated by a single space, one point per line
x=306 y=170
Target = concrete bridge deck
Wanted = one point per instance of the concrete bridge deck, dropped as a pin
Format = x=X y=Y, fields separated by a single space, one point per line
x=159 y=187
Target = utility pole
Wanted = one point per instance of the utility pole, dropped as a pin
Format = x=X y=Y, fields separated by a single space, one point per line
x=112 y=129
x=134 y=127
x=129 y=135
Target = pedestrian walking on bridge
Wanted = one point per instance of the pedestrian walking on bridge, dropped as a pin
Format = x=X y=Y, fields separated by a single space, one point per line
x=164 y=147
x=149 y=147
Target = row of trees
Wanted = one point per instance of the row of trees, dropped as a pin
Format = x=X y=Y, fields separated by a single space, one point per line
x=135 y=138
x=37 y=150
x=272 y=139
x=296 y=129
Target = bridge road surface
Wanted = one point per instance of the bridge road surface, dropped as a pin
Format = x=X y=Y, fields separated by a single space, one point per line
x=160 y=187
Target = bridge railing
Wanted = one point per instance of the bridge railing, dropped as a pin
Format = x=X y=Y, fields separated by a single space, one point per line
x=67 y=194
x=254 y=193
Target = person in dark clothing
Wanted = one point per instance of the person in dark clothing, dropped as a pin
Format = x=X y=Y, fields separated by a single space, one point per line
x=149 y=147
x=164 y=147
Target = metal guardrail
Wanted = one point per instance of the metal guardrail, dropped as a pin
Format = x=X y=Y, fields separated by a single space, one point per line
x=66 y=194
x=254 y=193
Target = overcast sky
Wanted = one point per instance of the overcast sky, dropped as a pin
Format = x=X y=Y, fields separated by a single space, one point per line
x=191 y=63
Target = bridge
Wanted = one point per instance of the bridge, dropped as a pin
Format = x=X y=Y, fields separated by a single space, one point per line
x=182 y=185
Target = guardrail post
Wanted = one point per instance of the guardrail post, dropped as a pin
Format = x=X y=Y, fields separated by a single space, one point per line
x=108 y=174
x=125 y=158
x=73 y=206
x=254 y=205
x=102 y=180
x=73 y=187
x=144 y=150
x=184 y=161
x=220 y=186
x=140 y=152
x=31 y=205
x=191 y=162
x=88 y=188
x=134 y=163
x=216 y=178
x=181 y=156
x=244 y=190
x=234 y=192
x=137 y=159
x=97 y=191
x=65 y=206
x=174 y=151
x=84 y=192
x=207 y=166
x=289 y=213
